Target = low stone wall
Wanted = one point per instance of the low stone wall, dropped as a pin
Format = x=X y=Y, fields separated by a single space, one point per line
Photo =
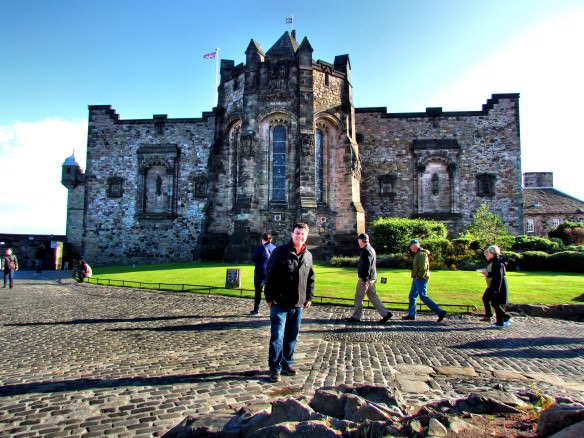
x=571 y=312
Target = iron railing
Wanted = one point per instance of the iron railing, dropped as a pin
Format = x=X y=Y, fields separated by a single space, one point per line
x=198 y=288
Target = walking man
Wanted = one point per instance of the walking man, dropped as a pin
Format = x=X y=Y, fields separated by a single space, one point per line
x=420 y=276
x=260 y=258
x=367 y=271
x=9 y=266
x=289 y=289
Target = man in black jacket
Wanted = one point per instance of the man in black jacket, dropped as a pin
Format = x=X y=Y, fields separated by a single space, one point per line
x=367 y=271
x=289 y=289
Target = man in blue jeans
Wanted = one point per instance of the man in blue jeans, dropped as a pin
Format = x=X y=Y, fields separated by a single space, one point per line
x=289 y=289
x=420 y=276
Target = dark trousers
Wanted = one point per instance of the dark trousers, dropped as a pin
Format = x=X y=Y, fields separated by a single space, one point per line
x=498 y=301
x=487 y=297
x=8 y=273
x=258 y=282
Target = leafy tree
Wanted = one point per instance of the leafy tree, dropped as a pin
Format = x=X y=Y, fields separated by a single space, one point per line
x=489 y=229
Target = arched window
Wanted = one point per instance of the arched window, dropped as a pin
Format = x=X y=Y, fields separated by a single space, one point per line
x=279 y=164
x=319 y=166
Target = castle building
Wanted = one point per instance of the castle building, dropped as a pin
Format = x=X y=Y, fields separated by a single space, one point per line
x=285 y=144
x=544 y=207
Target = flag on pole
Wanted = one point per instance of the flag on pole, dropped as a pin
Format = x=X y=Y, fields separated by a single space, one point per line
x=211 y=55
x=289 y=20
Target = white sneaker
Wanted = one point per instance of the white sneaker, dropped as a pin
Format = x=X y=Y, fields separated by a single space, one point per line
x=495 y=326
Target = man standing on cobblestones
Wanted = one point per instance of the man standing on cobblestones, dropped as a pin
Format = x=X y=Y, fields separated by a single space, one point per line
x=420 y=276
x=289 y=289
x=367 y=271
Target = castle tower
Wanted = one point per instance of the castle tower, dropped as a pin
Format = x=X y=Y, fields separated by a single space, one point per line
x=73 y=178
x=284 y=152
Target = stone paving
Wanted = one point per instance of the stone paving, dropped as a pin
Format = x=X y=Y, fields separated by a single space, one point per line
x=88 y=360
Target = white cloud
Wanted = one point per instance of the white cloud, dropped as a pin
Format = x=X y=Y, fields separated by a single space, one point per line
x=31 y=155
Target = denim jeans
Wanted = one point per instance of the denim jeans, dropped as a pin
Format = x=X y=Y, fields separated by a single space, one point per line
x=419 y=288
x=285 y=325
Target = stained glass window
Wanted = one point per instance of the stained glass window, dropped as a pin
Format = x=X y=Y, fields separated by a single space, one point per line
x=279 y=164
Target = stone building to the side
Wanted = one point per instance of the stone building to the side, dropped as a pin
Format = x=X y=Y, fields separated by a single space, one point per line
x=544 y=207
x=284 y=144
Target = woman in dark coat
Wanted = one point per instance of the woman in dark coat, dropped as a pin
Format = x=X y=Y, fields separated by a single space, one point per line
x=496 y=292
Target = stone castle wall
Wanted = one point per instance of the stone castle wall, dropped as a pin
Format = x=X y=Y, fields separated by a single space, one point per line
x=401 y=153
x=115 y=228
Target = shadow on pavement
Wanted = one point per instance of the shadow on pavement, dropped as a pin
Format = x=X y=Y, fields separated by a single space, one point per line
x=84 y=384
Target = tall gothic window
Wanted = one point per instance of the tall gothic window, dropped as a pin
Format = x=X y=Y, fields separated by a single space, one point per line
x=279 y=164
x=319 y=166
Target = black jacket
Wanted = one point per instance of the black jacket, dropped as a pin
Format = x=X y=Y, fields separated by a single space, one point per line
x=289 y=277
x=366 y=268
x=498 y=283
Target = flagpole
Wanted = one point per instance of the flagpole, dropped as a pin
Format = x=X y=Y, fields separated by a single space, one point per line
x=217 y=76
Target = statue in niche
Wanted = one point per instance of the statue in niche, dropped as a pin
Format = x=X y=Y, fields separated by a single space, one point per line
x=435 y=184
x=158 y=185
x=247 y=141
x=355 y=165
x=278 y=76
x=307 y=144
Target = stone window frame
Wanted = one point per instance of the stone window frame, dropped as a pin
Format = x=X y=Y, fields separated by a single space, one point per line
x=530 y=225
x=167 y=156
x=485 y=184
x=200 y=186
x=115 y=187
x=555 y=222
x=330 y=129
x=387 y=186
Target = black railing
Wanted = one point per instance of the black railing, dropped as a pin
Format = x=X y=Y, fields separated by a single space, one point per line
x=198 y=288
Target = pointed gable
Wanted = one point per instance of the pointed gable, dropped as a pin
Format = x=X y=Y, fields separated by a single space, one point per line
x=285 y=47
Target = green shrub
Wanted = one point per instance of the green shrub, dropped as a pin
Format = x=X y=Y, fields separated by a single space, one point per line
x=571 y=233
x=394 y=234
x=440 y=249
x=344 y=262
x=394 y=261
x=565 y=261
x=534 y=243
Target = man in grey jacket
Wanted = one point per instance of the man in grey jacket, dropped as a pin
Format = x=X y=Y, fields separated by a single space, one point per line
x=367 y=271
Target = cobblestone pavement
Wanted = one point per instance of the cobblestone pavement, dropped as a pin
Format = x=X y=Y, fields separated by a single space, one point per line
x=88 y=360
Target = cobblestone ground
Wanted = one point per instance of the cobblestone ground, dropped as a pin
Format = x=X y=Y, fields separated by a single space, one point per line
x=88 y=360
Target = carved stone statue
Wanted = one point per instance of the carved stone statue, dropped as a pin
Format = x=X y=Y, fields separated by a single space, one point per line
x=307 y=144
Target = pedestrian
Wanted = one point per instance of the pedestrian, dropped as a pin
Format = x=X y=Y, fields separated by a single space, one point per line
x=260 y=258
x=289 y=289
x=83 y=272
x=420 y=277
x=496 y=293
x=367 y=272
x=9 y=266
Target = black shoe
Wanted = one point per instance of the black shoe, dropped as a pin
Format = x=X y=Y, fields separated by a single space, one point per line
x=351 y=319
x=275 y=376
x=441 y=316
x=289 y=371
x=385 y=318
x=408 y=318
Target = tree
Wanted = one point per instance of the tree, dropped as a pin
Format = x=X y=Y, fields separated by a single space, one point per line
x=488 y=228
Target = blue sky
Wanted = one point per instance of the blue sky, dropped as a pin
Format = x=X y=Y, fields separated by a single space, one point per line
x=145 y=57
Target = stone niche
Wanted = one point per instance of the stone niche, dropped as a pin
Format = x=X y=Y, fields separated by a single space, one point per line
x=157 y=181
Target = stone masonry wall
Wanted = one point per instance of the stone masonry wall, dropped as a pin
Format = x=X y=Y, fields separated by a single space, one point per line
x=115 y=232
x=488 y=142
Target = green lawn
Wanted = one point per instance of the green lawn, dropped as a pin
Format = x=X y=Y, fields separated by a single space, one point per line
x=445 y=287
